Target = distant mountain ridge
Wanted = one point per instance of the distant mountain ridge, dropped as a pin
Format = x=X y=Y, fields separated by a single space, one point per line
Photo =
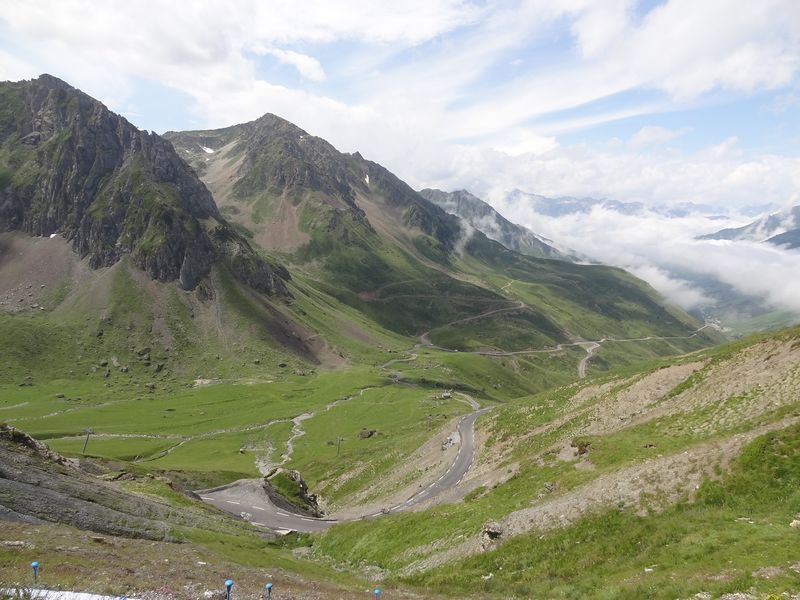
x=373 y=243
x=780 y=228
x=69 y=165
x=570 y=205
x=486 y=219
x=565 y=205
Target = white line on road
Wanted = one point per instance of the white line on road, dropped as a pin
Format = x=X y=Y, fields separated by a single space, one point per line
x=232 y=502
x=206 y=497
x=259 y=508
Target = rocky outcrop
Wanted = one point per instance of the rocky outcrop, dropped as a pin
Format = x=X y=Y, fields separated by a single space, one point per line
x=288 y=490
x=38 y=486
x=491 y=533
x=68 y=165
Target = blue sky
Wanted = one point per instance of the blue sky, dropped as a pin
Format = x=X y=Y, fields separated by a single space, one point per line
x=658 y=102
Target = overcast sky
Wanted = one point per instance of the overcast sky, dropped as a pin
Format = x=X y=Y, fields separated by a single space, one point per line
x=659 y=102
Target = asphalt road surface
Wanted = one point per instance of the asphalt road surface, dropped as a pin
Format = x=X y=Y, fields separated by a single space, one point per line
x=247 y=499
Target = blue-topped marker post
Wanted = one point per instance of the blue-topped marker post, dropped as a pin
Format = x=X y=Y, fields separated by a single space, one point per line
x=35 y=567
x=377 y=593
x=268 y=587
x=228 y=586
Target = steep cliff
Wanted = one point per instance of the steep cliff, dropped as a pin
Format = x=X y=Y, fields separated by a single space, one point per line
x=68 y=165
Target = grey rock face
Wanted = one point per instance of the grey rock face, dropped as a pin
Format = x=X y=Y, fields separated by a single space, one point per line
x=69 y=165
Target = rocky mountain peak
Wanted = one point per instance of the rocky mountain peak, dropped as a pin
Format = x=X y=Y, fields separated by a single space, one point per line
x=491 y=223
x=69 y=165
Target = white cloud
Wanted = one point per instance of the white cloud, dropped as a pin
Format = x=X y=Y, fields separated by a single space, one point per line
x=411 y=22
x=524 y=141
x=410 y=90
x=687 y=48
x=308 y=66
x=718 y=176
x=652 y=246
x=600 y=26
x=676 y=290
x=13 y=68
x=653 y=134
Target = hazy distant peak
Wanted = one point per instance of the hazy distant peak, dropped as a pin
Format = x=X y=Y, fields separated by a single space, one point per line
x=492 y=224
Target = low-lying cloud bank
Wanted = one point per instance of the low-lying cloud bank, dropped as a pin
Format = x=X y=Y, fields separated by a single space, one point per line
x=663 y=251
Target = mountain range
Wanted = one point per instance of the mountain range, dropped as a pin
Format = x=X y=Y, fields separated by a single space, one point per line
x=208 y=332
x=780 y=229
x=373 y=243
x=491 y=223
x=570 y=205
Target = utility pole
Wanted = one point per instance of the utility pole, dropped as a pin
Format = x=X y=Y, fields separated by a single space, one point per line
x=338 y=443
x=88 y=432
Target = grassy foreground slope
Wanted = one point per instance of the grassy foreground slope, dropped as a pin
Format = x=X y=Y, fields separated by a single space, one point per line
x=688 y=469
x=733 y=537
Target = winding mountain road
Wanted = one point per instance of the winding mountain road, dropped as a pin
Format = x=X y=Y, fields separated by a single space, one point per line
x=246 y=498
x=590 y=346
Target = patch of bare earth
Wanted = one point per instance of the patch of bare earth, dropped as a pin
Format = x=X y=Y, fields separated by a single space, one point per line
x=32 y=269
x=655 y=482
x=222 y=171
x=757 y=380
x=638 y=399
x=282 y=231
x=491 y=457
x=746 y=391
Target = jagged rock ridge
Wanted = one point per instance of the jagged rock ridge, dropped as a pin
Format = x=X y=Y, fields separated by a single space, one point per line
x=487 y=220
x=274 y=159
x=68 y=165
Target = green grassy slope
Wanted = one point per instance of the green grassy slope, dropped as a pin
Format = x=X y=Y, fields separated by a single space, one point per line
x=202 y=436
x=733 y=537
x=615 y=463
